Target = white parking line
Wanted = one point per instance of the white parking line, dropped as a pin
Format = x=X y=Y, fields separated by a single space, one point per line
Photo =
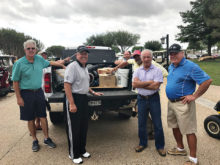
x=205 y=102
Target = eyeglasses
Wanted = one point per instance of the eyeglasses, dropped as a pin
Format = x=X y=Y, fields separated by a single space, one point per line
x=30 y=48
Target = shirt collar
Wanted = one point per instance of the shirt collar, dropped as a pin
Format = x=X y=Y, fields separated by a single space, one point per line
x=80 y=64
x=182 y=62
x=151 y=67
x=26 y=60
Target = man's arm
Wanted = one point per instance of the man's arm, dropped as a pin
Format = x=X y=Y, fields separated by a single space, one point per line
x=20 y=100
x=68 y=91
x=117 y=62
x=141 y=84
x=95 y=93
x=199 y=92
x=54 y=63
x=153 y=86
x=121 y=65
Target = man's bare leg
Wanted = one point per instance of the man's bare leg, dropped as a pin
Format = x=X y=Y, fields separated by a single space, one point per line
x=32 y=129
x=44 y=126
x=179 y=137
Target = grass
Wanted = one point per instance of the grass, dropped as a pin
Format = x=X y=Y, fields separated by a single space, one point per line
x=212 y=68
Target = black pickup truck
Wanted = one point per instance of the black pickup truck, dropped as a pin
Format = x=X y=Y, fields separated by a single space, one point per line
x=120 y=98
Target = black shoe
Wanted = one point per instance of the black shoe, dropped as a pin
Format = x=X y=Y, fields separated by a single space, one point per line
x=139 y=148
x=35 y=146
x=49 y=142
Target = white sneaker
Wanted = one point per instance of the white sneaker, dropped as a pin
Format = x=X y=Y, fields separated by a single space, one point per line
x=86 y=155
x=70 y=157
x=78 y=161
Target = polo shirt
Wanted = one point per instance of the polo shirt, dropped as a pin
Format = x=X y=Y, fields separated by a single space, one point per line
x=29 y=75
x=78 y=77
x=182 y=79
x=153 y=73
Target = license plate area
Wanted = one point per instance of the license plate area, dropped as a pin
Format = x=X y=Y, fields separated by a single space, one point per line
x=95 y=103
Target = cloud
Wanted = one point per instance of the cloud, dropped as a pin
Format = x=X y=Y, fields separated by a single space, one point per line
x=116 y=9
x=72 y=21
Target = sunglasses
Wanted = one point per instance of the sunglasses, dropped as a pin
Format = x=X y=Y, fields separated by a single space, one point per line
x=30 y=48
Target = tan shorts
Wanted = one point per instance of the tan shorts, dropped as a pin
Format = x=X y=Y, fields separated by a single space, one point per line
x=182 y=116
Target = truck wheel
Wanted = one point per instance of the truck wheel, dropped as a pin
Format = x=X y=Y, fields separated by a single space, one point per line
x=3 y=94
x=212 y=126
x=56 y=117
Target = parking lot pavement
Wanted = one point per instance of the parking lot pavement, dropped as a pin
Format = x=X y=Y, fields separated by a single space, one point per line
x=110 y=140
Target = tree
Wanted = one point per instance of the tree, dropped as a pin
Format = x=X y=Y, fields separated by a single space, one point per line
x=121 y=39
x=124 y=40
x=196 y=46
x=153 y=45
x=55 y=50
x=11 y=42
x=198 y=24
x=137 y=48
x=95 y=40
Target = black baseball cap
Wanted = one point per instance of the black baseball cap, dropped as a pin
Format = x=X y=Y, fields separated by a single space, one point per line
x=175 y=48
x=82 y=48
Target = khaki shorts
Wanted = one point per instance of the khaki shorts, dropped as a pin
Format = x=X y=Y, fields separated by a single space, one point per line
x=182 y=116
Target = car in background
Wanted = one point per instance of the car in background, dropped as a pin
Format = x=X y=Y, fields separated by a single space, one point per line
x=4 y=81
x=191 y=56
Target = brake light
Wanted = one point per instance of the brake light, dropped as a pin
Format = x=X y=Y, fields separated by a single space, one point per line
x=47 y=83
x=90 y=47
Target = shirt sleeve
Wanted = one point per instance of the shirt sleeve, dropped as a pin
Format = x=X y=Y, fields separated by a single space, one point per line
x=199 y=75
x=69 y=75
x=158 y=76
x=45 y=63
x=16 y=72
x=135 y=74
x=130 y=61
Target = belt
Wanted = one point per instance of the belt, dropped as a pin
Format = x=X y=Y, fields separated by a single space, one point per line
x=31 y=90
x=148 y=96
x=175 y=100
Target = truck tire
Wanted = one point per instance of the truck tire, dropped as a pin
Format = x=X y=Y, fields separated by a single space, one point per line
x=56 y=117
x=212 y=126
x=3 y=93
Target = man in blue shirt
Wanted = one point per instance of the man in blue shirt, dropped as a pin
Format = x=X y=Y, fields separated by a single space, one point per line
x=27 y=79
x=181 y=84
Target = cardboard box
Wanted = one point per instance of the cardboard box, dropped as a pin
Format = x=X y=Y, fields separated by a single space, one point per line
x=104 y=70
x=107 y=80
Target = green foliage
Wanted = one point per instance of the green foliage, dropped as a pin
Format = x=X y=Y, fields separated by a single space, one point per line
x=198 y=45
x=95 y=40
x=153 y=45
x=137 y=48
x=212 y=17
x=55 y=50
x=212 y=69
x=11 y=42
x=199 y=24
x=121 y=39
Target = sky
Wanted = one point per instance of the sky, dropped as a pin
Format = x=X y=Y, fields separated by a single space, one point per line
x=70 y=22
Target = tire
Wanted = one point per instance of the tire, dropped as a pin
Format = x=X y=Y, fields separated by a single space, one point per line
x=212 y=126
x=3 y=93
x=56 y=117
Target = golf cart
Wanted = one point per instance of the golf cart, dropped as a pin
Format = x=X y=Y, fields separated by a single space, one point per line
x=212 y=123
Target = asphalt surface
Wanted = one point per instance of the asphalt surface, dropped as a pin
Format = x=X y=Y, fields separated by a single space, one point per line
x=111 y=140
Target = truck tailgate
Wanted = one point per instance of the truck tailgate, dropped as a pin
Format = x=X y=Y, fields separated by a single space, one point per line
x=119 y=94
